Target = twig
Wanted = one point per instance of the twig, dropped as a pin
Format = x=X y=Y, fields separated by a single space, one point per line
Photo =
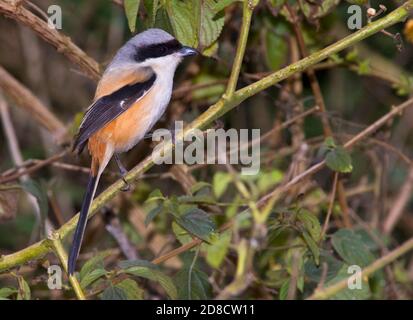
x=349 y=144
x=25 y=99
x=315 y=86
x=191 y=268
x=366 y=272
x=242 y=278
x=61 y=254
x=183 y=90
x=323 y=277
x=186 y=246
x=17 y=158
x=114 y=227
x=399 y=204
x=37 y=166
x=248 y=7
x=217 y=110
x=292 y=286
x=330 y=206
x=15 y=10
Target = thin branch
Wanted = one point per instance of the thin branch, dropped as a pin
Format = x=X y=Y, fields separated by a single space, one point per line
x=217 y=110
x=25 y=99
x=16 y=10
x=61 y=254
x=114 y=227
x=188 y=89
x=330 y=206
x=322 y=294
x=349 y=144
x=17 y=158
x=399 y=204
x=37 y=166
x=248 y=7
x=319 y=99
x=187 y=246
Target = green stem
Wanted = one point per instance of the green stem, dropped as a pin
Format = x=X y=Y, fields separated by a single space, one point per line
x=61 y=254
x=248 y=8
x=215 y=111
x=366 y=272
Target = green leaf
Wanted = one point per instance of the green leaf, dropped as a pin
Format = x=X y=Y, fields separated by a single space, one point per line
x=151 y=7
x=330 y=143
x=404 y=86
x=311 y=223
x=155 y=275
x=209 y=52
x=284 y=290
x=95 y=263
x=339 y=160
x=153 y=214
x=312 y=245
x=368 y=239
x=209 y=23
x=137 y=263
x=199 y=186
x=220 y=183
x=269 y=179
x=349 y=294
x=221 y=5
x=131 y=11
x=7 y=292
x=317 y=10
x=351 y=247
x=352 y=55
x=195 y=23
x=162 y=20
x=314 y=272
x=192 y=285
x=23 y=292
x=114 y=293
x=181 y=234
x=197 y=222
x=217 y=250
x=182 y=18
x=155 y=195
x=335 y=58
x=131 y=289
x=91 y=277
x=363 y=67
x=197 y=199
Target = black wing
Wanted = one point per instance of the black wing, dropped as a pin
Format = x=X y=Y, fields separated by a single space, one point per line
x=108 y=108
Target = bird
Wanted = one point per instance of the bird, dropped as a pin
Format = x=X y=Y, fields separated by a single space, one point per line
x=131 y=96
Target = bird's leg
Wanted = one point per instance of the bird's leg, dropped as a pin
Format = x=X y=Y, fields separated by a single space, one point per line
x=172 y=132
x=123 y=172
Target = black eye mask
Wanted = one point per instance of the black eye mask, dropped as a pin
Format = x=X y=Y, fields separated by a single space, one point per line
x=157 y=50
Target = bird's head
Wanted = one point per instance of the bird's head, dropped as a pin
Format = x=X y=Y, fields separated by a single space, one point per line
x=153 y=48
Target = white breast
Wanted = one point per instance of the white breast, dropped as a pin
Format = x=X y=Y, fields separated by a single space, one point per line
x=160 y=93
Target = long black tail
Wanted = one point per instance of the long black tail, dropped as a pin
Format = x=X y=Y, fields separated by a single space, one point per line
x=81 y=225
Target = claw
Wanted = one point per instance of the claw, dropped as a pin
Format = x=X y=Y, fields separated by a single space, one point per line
x=126 y=187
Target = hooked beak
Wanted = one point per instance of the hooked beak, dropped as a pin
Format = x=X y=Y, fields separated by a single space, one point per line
x=187 y=51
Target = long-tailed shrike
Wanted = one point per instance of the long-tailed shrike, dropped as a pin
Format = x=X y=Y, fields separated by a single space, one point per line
x=131 y=96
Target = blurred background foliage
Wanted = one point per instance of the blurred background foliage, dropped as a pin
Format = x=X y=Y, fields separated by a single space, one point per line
x=172 y=205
